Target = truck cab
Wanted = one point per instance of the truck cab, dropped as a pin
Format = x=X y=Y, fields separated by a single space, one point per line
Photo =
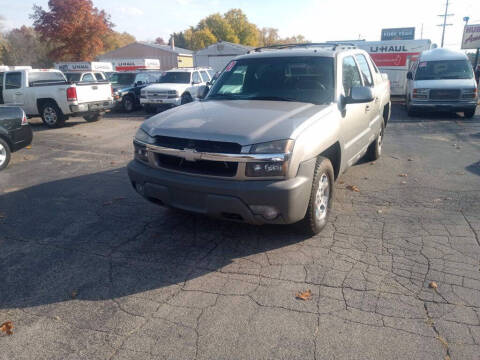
x=176 y=87
x=127 y=87
x=442 y=80
x=87 y=76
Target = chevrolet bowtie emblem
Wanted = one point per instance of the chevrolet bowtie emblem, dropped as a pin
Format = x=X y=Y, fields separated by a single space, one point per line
x=191 y=155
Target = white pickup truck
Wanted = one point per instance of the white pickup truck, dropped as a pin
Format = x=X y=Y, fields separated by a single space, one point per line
x=48 y=94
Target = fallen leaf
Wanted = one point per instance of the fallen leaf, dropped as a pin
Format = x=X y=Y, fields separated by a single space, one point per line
x=112 y=162
x=57 y=318
x=437 y=200
x=394 y=157
x=379 y=211
x=353 y=188
x=404 y=182
x=403 y=175
x=410 y=159
x=74 y=294
x=7 y=327
x=28 y=147
x=433 y=285
x=341 y=182
x=305 y=295
x=372 y=163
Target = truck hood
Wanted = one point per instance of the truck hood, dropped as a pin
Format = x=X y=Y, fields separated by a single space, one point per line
x=240 y=121
x=122 y=87
x=445 y=84
x=167 y=86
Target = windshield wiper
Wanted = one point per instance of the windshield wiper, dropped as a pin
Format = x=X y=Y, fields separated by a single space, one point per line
x=273 y=98
x=224 y=97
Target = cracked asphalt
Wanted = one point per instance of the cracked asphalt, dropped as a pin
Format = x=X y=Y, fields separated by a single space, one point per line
x=89 y=270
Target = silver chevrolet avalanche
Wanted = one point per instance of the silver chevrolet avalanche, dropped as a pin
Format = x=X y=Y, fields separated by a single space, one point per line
x=269 y=139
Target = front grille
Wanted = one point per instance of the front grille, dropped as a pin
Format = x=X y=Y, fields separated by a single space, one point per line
x=203 y=167
x=219 y=147
x=445 y=94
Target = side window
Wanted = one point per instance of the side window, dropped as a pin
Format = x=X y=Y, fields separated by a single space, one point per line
x=205 y=76
x=88 y=78
x=99 y=77
x=142 y=77
x=351 y=76
x=211 y=73
x=13 y=81
x=196 y=77
x=365 y=70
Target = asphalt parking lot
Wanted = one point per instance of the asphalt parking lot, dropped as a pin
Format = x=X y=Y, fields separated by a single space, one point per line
x=89 y=270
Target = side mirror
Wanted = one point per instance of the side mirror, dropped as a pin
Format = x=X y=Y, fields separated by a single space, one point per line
x=409 y=75
x=139 y=83
x=203 y=91
x=359 y=95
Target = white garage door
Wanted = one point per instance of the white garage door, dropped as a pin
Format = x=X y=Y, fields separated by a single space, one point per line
x=217 y=63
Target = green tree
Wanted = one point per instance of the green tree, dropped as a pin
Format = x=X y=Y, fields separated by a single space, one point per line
x=114 y=40
x=219 y=27
x=246 y=32
x=201 y=39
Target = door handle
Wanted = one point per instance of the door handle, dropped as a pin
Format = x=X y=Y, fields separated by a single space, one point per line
x=367 y=108
x=18 y=93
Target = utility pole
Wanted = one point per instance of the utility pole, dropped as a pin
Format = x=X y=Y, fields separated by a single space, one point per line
x=444 y=25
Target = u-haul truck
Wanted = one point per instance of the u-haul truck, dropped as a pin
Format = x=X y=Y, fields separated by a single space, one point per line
x=134 y=64
x=84 y=66
x=394 y=58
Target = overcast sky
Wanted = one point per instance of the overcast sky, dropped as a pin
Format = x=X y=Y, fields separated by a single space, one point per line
x=317 y=20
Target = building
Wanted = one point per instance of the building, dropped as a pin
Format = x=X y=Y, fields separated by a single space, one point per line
x=169 y=57
x=218 y=55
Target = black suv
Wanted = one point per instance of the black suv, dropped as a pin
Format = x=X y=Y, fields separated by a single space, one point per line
x=127 y=86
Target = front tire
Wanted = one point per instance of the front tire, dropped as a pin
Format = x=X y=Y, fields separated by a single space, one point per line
x=186 y=98
x=128 y=104
x=5 y=154
x=52 y=116
x=92 y=117
x=321 y=198
x=470 y=113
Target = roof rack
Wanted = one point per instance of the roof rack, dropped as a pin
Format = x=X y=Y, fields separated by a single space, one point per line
x=304 y=45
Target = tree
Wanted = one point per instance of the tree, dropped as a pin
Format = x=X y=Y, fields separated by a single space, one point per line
x=114 y=40
x=269 y=36
x=23 y=46
x=76 y=26
x=160 y=41
x=201 y=39
x=246 y=32
x=219 y=27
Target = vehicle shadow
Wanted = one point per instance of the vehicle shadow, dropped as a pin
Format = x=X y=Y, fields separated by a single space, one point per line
x=93 y=238
x=399 y=115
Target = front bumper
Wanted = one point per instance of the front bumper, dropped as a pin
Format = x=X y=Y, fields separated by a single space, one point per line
x=428 y=105
x=227 y=199
x=97 y=106
x=172 y=102
x=21 y=137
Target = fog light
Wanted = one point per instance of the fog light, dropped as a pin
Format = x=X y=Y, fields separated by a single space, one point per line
x=268 y=212
x=139 y=188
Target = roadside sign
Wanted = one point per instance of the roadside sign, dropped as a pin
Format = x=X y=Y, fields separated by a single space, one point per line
x=398 y=34
x=471 y=37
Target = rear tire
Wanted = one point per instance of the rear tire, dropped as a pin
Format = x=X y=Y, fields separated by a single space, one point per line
x=52 y=116
x=321 y=198
x=93 y=117
x=470 y=113
x=375 y=149
x=5 y=154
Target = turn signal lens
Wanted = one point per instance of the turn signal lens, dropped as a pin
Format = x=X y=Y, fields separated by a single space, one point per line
x=72 y=94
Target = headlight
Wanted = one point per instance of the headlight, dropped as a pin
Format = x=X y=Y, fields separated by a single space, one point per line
x=469 y=93
x=143 y=137
x=172 y=92
x=272 y=147
x=273 y=168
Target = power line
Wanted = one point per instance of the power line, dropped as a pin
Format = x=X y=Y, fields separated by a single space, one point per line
x=444 y=25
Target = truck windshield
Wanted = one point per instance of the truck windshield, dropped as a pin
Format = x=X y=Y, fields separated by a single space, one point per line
x=444 y=69
x=73 y=77
x=175 y=77
x=304 y=79
x=122 y=79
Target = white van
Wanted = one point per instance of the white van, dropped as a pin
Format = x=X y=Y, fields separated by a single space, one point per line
x=442 y=80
